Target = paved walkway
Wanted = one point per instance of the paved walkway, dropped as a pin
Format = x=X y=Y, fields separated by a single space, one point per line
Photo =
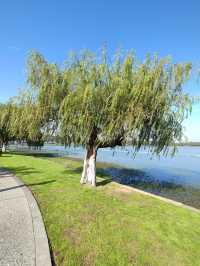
x=23 y=239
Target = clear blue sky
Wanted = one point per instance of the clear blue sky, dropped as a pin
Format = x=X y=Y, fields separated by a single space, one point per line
x=56 y=27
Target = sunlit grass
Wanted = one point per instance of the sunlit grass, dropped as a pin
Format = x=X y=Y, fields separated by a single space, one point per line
x=106 y=225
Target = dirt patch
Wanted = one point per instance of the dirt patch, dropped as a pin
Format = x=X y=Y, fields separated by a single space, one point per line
x=56 y=253
x=88 y=218
x=123 y=189
x=121 y=192
x=88 y=260
x=73 y=236
x=59 y=190
x=57 y=257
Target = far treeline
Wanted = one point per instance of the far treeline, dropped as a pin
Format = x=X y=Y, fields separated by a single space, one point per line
x=193 y=143
x=97 y=102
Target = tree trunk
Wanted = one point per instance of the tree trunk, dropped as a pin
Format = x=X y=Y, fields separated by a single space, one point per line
x=89 y=167
x=3 y=147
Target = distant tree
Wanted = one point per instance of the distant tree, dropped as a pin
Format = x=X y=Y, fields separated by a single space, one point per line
x=50 y=86
x=99 y=104
x=5 y=125
x=27 y=123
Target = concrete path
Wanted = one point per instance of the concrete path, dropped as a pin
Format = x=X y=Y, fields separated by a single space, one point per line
x=23 y=239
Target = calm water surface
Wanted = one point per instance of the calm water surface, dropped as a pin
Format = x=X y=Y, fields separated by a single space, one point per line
x=182 y=169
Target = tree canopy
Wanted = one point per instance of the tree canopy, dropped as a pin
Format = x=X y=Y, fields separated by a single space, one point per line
x=27 y=123
x=5 y=124
x=96 y=102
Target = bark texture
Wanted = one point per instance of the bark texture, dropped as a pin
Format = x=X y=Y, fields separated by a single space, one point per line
x=3 y=147
x=89 y=167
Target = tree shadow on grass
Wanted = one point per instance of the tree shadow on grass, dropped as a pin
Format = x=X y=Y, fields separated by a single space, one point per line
x=104 y=182
x=34 y=154
x=140 y=180
x=21 y=170
x=6 y=173
x=100 y=173
x=28 y=185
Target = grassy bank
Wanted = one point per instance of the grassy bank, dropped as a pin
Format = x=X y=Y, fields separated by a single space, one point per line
x=186 y=194
x=108 y=225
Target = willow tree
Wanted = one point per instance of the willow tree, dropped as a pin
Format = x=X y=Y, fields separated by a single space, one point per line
x=5 y=125
x=49 y=86
x=38 y=107
x=124 y=102
x=26 y=120
x=99 y=104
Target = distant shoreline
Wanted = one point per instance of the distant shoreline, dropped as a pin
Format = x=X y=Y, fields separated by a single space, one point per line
x=190 y=144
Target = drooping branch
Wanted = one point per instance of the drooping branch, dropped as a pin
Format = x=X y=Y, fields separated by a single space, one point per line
x=118 y=141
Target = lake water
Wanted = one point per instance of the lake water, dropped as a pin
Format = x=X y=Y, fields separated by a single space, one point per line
x=177 y=177
x=183 y=168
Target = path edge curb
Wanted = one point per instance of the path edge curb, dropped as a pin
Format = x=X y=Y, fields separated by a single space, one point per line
x=42 y=249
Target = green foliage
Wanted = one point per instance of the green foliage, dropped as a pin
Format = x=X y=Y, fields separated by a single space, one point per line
x=123 y=102
x=49 y=84
x=26 y=121
x=96 y=102
x=5 y=123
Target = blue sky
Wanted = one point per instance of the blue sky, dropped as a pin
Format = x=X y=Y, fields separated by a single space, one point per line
x=56 y=27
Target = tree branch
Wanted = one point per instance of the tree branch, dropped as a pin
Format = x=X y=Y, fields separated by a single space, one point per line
x=118 y=141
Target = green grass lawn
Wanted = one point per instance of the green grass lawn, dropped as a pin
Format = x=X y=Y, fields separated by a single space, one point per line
x=106 y=225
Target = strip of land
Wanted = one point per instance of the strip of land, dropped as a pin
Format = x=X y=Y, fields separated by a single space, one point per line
x=106 y=225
